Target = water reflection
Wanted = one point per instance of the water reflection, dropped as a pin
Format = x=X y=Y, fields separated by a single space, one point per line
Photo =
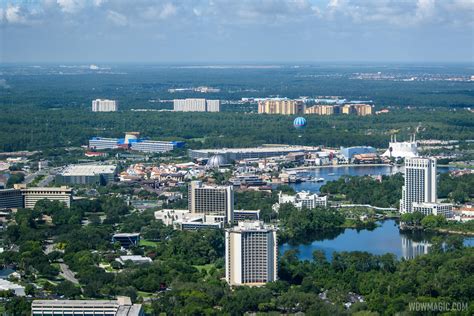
x=412 y=249
x=386 y=238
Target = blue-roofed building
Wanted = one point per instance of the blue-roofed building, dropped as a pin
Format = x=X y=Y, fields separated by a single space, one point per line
x=131 y=141
x=349 y=152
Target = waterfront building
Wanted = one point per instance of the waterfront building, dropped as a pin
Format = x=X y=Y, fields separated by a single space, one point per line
x=104 y=105
x=420 y=183
x=265 y=151
x=251 y=254
x=301 y=199
x=405 y=150
x=121 y=307
x=349 y=152
x=281 y=106
x=211 y=200
x=87 y=174
x=196 y=105
x=444 y=209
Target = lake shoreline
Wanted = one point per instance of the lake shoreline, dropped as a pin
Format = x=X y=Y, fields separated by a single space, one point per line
x=342 y=166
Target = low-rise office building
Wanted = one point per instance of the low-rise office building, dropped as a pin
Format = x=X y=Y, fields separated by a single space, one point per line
x=121 y=307
x=443 y=209
x=266 y=151
x=301 y=199
x=89 y=174
x=33 y=195
x=22 y=197
x=11 y=199
x=155 y=146
x=133 y=259
x=246 y=215
x=132 y=142
x=126 y=240
x=185 y=220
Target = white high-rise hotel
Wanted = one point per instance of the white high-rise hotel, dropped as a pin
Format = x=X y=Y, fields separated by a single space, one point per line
x=196 y=105
x=104 y=105
x=419 y=191
x=251 y=254
x=216 y=201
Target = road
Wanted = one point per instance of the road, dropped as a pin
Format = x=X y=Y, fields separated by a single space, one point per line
x=67 y=273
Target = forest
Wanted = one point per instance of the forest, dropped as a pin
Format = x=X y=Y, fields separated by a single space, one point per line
x=36 y=128
x=48 y=106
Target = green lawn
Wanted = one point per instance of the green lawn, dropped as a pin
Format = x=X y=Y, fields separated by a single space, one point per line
x=148 y=243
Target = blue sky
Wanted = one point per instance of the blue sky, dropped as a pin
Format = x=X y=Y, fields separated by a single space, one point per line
x=217 y=31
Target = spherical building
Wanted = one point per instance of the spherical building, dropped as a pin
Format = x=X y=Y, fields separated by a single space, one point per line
x=299 y=123
x=131 y=137
x=216 y=161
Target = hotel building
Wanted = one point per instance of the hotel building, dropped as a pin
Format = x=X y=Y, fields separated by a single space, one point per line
x=33 y=195
x=104 y=105
x=251 y=254
x=281 y=106
x=217 y=201
x=420 y=183
x=320 y=110
x=196 y=105
x=22 y=197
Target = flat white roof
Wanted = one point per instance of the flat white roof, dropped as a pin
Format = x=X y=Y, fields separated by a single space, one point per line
x=88 y=170
x=259 y=149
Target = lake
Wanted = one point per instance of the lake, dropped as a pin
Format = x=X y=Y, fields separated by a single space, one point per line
x=386 y=238
x=334 y=173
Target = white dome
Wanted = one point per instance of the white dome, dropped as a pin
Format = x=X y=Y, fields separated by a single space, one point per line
x=216 y=161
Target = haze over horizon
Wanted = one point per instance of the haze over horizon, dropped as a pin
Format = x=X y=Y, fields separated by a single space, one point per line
x=223 y=31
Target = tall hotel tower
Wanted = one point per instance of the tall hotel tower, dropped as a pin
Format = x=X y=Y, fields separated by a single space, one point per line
x=217 y=201
x=420 y=183
x=251 y=254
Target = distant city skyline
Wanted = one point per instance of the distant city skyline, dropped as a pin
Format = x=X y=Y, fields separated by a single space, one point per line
x=246 y=31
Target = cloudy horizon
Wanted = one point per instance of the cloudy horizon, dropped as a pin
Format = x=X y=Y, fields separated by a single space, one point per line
x=270 y=31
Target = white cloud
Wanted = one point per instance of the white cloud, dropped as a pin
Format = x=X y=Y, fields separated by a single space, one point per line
x=117 y=18
x=14 y=15
x=159 y=12
x=71 y=6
